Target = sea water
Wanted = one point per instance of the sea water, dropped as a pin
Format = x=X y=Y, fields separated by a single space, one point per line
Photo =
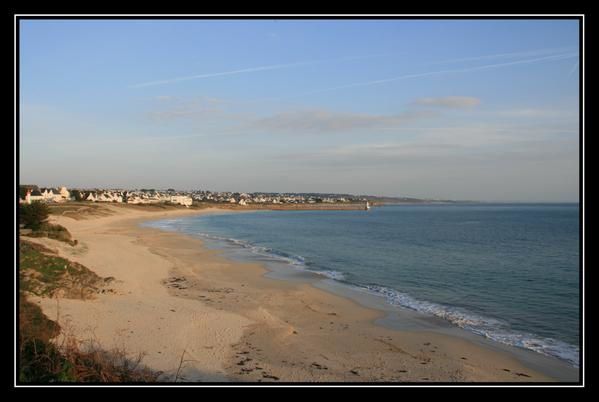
x=509 y=272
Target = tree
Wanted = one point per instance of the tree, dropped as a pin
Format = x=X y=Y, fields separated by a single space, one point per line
x=23 y=190
x=34 y=215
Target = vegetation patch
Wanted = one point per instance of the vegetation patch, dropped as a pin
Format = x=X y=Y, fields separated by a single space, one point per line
x=42 y=361
x=34 y=219
x=53 y=231
x=33 y=215
x=33 y=323
x=43 y=273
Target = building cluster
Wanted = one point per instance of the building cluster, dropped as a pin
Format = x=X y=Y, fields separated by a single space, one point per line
x=185 y=198
x=156 y=197
x=270 y=198
x=47 y=195
x=104 y=195
x=137 y=197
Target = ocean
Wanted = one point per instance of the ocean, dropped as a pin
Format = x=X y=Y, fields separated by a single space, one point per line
x=508 y=272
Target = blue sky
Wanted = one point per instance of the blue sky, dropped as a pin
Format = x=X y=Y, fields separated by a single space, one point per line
x=461 y=109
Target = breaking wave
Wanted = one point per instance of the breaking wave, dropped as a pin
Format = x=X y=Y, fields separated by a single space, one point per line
x=491 y=328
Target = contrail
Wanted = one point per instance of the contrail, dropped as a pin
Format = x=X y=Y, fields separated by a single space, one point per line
x=507 y=55
x=573 y=69
x=233 y=72
x=441 y=72
x=247 y=70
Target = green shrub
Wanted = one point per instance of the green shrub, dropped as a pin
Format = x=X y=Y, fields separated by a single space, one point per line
x=33 y=215
x=56 y=232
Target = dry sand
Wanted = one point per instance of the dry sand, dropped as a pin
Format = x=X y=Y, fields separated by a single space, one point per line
x=176 y=300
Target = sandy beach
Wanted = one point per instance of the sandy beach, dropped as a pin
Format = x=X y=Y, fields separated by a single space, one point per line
x=189 y=309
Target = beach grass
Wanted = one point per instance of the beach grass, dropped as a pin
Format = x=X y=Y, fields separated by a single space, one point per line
x=52 y=231
x=41 y=359
x=43 y=273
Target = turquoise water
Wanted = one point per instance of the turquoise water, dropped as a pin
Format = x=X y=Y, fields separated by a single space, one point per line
x=507 y=272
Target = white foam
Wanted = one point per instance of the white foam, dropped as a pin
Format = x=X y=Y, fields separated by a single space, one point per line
x=336 y=275
x=294 y=260
x=491 y=328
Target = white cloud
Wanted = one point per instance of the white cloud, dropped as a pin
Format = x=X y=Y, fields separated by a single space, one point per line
x=537 y=113
x=449 y=101
x=435 y=144
x=321 y=120
x=187 y=108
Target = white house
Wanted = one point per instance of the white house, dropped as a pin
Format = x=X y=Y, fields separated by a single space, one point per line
x=104 y=197
x=110 y=197
x=64 y=193
x=52 y=195
x=34 y=195
x=182 y=200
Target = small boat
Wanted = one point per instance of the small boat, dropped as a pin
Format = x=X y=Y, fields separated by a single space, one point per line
x=367 y=206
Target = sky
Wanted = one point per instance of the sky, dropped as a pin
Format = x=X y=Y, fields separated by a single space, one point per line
x=449 y=109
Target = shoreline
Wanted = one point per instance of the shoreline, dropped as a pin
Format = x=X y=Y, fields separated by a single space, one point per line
x=235 y=322
x=395 y=317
